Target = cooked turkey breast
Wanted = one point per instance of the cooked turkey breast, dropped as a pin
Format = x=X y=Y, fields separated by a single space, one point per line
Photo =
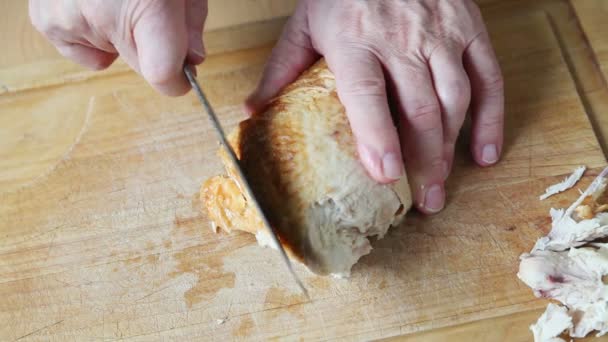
x=301 y=161
x=567 y=266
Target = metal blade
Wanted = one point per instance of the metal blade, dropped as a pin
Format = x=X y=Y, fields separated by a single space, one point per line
x=237 y=166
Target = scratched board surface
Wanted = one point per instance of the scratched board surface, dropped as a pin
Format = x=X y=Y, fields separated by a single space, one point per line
x=102 y=235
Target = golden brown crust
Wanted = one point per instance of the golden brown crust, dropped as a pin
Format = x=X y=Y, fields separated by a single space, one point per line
x=282 y=153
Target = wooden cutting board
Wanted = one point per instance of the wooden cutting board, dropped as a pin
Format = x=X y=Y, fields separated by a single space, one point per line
x=592 y=14
x=103 y=238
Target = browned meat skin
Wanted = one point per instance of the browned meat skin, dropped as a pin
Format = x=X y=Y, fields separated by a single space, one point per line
x=300 y=158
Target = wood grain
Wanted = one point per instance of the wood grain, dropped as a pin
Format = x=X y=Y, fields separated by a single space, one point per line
x=103 y=237
x=592 y=15
x=509 y=328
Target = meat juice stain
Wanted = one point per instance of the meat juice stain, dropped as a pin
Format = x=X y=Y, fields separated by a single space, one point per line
x=244 y=329
x=555 y=279
x=544 y=294
x=197 y=205
x=181 y=222
x=208 y=269
x=282 y=301
x=136 y=260
x=543 y=224
x=188 y=226
x=152 y=258
x=319 y=283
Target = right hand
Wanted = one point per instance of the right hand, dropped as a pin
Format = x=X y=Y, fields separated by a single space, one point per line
x=154 y=37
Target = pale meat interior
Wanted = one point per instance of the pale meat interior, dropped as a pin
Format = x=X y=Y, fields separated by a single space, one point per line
x=301 y=161
x=570 y=265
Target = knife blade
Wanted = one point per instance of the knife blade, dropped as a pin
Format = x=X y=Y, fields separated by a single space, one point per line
x=237 y=166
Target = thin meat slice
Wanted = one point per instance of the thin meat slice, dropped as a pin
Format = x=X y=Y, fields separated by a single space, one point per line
x=574 y=278
x=570 y=230
x=553 y=322
x=566 y=184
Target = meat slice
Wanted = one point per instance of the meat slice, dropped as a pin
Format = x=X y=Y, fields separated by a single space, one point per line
x=567 y=266
x=570 y=230
x=574 y=278
x=301 y=161
x=553 y=322
x=566 y=184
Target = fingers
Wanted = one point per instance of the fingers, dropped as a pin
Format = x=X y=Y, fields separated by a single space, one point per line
x=421 y=134
x=86 y=56
x=196 y=13
x=362 y=90
x=453 y=91
x=487 y=107
x=67 y=30
x=161 y=41
x=292 y=54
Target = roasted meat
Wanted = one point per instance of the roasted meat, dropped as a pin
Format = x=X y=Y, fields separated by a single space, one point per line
x=301 y=161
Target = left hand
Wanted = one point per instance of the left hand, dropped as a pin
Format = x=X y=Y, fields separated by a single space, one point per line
x=434 y=57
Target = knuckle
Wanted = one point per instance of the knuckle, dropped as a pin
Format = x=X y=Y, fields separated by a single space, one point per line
x=474 y=10
x=429 y=166
x=425 y=118
x=493 y=83
x=435 y=162
x=368 y=86
x=278 y=65
x=457 y=95
x=491 y=122
x=460 y=88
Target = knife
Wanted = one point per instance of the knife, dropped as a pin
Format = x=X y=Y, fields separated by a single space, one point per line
x=237 y=166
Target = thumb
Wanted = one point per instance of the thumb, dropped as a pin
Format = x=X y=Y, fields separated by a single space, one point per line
x=161 y=39
x=196 y=13
x=292 y=54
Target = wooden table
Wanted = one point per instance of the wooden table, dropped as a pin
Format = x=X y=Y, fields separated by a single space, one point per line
x=64 y=123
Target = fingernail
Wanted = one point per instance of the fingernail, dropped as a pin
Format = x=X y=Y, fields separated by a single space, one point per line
x=392 y=166
x=446 y=170
x=434 y=198
x=489 y=154
x=196 y=50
